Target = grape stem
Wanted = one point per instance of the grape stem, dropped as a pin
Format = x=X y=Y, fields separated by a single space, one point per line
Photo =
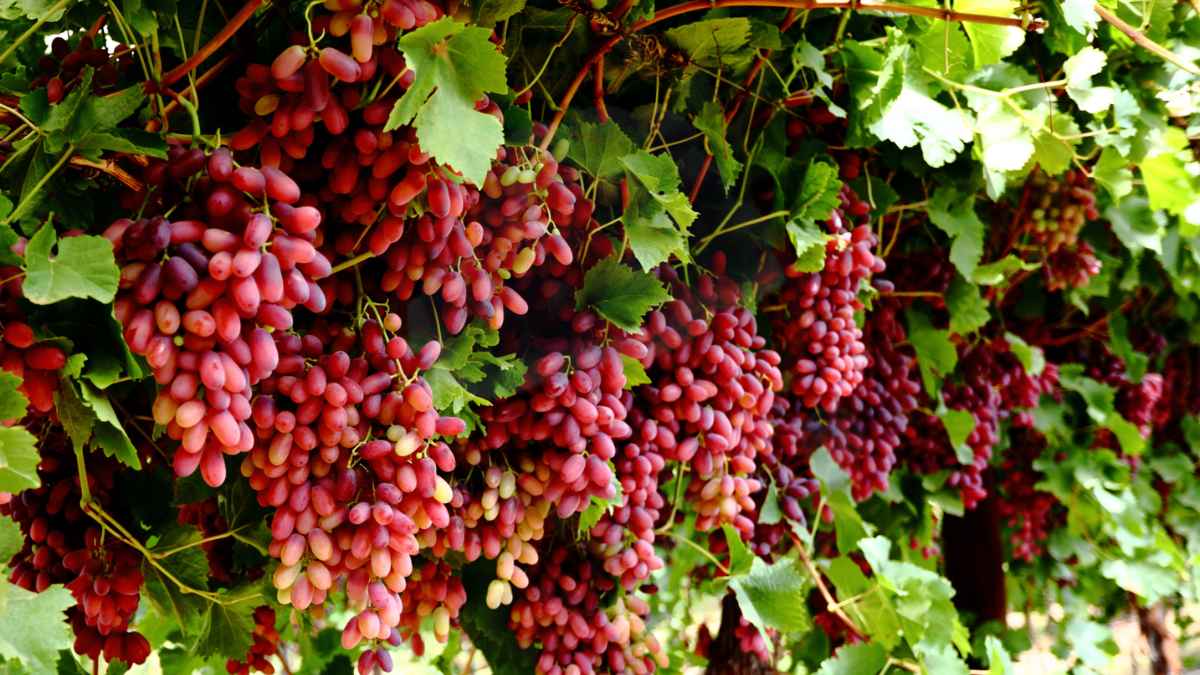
x=235 y=23
x=1141 y=40
x=704 y=5
x=111 y=168
x=351 y=262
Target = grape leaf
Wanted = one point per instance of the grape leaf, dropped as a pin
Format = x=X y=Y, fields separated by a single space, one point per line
x=1052 y=153
x=34 y=627
x=83 y=268
x=711 y=122
x=620 y=294
x=1032 y=359
x=635 y=372
x=488 y=13
x=998 y=660
x=715 y=43
x=659 y=215
x=12 y=401
x=18 y=460
x=1112 y=172
x=108 y=432
x=835 y=486
x=1080 y=15
x=598 y=149
x=968 y=309
x=598 y=507
x=1118 y=340
x=653 y=238
x=11 y=539
x=959 y=425
x=954 y=213
x=1169 y=185
x=77 y=419
x=814 y=204
x=659 y=177
x=772 y=596
x=809 y=243
x=740 y=556
x=1079 y=70
x=990 y=43
x=227 y=627
x=31 y=9
x=936 y=355
x=455 y=65
x=855 y=659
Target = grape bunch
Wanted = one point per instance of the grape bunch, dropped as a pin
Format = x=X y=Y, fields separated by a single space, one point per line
x=1056 y=209
x=712 y=387
x=435 y=590
x=62 y=70
x=994 y=387
x=822 y=345
x=347 y=455
x=1071 y=267
x=569 y=613
x=1030 y=513
x=200 y=293
x=61 y=544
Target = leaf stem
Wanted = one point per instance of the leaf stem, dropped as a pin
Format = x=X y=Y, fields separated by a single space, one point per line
x=703 y=551
x=732 y=228
x=351 y=262
x=42 y=20
x=200 y=542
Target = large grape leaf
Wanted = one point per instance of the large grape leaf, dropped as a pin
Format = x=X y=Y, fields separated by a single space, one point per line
x=34 y=626
x=620 y=294
x=18 y=460
x=84 y=267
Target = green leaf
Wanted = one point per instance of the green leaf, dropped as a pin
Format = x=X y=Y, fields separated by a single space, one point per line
x=635 y=372
x=1032 y=359
x=994 y=273
x=128 y=141
x=740 y=556
x=598 y=149
x=11 y=539
x=455 y=65
x=659 y=215
x=968 y=309
x=18 y=460
x=809 y=242
x=83 y=268
x=1118 y=340
x=1091 y=642
x=34 y=626
x=488 y=13
x=1146 y=579
x=772 y=596
x=944 y=49
x=855 y=659
x=110 y=435
x=77 y=419
x=1169 y=185
x=1052 y=153
x=1079 y=70
x=715 y=43
x=1112 y=172
x=711 y=122
x=835 y=485
x=989 y=43
x=597 y=508
x=227 y=627
x=936 y=354
x=620 y=294
x=915 y=118
x=998 y=660
x=659 y=175
x=1080 y=15
x=954 y=213
x=959 y=425
x=12 y=401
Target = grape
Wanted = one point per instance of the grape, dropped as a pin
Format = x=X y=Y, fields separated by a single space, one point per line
x=265 y=644
x=822 y=345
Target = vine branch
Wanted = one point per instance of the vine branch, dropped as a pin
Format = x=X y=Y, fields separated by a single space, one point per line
x=704 y=5
x=235 y=23
x=1139 y=38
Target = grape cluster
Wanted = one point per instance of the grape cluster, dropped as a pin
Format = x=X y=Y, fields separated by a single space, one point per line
x=1058 y=208
x=62 y=545
x=994 y=387
x=106 y=588
x=1071 y=267
x=264 y=646
x=61 y=70
x=435 y=590
x=1030 y=513
x=346 y=453
x=869 y=425
x=200 y=293
x=712 y=387
x=567 y=613
x=821 y=342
